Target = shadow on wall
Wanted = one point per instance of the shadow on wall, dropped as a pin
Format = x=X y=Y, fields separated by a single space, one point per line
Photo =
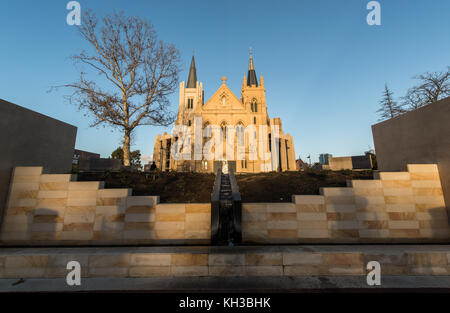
x=430 y=223
x=436 y=223
x=46 y=225
x=373 y=224
x=43 y=142
x=420 y=136
x=444 y=167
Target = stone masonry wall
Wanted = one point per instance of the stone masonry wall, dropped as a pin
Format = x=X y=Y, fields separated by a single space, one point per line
x=396 y=207
x=220 y=261
x=52 y=209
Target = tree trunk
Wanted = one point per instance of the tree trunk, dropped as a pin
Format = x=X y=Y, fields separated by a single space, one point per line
x=126 y=148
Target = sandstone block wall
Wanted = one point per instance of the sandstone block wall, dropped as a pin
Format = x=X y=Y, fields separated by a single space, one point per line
x=420 y=136
x=202 y=261
x=396 y=207
x=51 y=208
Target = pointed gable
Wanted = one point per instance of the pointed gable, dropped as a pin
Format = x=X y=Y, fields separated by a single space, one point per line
x=223 y=99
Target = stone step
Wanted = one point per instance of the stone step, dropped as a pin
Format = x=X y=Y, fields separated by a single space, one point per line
x=194 y=261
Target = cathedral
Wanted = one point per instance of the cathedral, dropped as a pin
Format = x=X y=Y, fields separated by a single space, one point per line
x=262 y=147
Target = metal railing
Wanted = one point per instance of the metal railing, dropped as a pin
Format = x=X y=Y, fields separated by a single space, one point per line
x=215 y=205
x=237 y=208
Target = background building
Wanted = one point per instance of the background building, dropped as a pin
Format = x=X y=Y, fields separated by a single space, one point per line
x=83 y=155
x=85 y=161
x=356 y=162
x=301 y=166
x=324 y=158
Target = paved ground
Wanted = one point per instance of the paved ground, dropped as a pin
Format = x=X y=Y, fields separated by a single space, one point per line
x=233 y=284
x=373 y=248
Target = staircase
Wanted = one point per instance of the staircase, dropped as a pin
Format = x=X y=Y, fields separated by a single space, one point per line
x=226 y=211
x=226 y=208
x=226 y=197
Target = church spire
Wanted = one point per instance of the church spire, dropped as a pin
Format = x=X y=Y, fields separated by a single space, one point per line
x=192 y=78
x=251 y=76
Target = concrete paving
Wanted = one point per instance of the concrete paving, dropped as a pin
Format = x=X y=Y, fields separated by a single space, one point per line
x=375 y=248
x=232 y=284
x=201 y=283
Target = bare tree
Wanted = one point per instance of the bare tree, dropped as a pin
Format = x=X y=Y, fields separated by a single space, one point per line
x=141 y=71
x=432 y=87
x=389 y=107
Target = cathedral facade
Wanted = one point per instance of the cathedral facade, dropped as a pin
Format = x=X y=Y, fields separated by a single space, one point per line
x=224 y=130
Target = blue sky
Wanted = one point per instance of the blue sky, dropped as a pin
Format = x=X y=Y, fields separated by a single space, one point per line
x=324 y=68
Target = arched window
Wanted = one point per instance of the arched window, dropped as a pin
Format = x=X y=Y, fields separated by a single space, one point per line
x=240 y=137
x=240 y=128
x=254 y=105
x=223 y=126
x=207 y=133
x=190 y=104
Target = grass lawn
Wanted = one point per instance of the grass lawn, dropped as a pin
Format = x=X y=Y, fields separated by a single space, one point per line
x=279 y=187
x=185 y=187
x=173 y=187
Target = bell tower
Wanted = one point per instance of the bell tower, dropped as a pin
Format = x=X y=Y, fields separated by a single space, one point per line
x=191 y=97
x=253 y=95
